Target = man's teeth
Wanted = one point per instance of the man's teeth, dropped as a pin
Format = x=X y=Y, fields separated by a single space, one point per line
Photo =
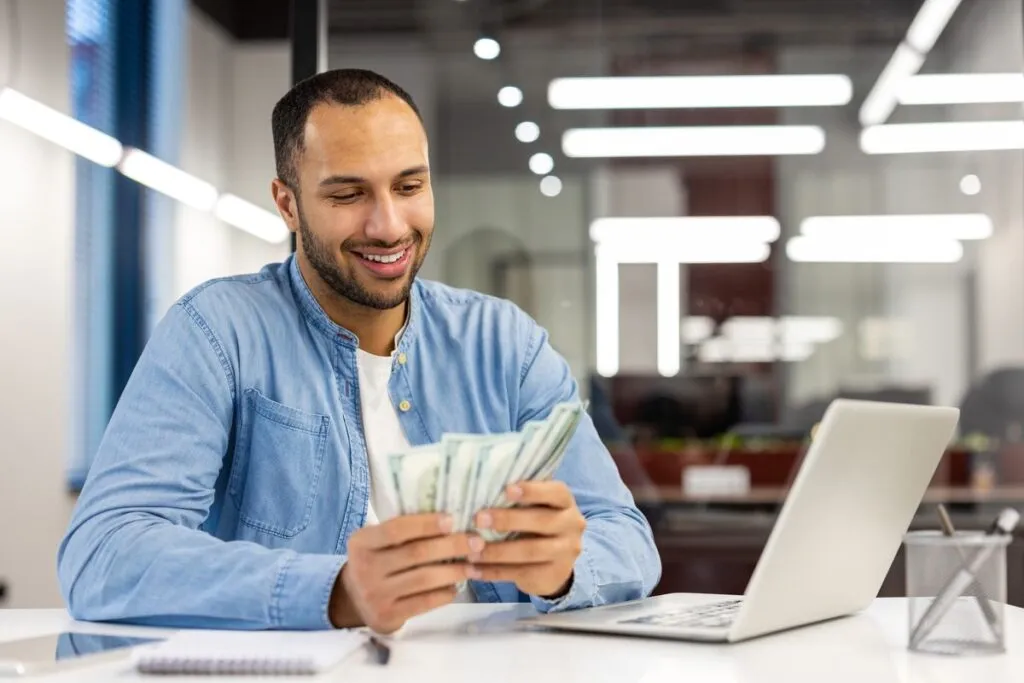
x=384 y=258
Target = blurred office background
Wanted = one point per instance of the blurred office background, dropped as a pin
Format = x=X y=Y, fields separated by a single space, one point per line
x=846 y=221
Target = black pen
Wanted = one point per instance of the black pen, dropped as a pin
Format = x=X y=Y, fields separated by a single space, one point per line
x=380 y=649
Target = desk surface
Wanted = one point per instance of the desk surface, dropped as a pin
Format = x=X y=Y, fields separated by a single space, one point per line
x=467 y=642
x=760 y=495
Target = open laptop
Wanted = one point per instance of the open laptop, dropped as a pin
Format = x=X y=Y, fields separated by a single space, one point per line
x=841 y=525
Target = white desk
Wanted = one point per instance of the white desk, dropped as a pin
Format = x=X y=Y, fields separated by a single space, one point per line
x=473 y=642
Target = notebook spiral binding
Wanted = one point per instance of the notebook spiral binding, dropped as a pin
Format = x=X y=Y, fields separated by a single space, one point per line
x=241 y=666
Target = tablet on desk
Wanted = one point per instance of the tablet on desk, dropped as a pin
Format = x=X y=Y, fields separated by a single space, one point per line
x=41 y=654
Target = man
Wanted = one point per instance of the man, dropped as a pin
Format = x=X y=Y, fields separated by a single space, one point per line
x=240 y=483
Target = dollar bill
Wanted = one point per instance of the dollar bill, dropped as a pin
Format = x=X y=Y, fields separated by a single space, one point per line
x=415 y=473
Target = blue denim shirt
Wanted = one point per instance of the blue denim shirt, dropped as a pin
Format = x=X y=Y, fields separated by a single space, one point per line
x=234 y=468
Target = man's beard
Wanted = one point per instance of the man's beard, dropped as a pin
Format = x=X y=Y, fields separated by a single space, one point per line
x=326 y=266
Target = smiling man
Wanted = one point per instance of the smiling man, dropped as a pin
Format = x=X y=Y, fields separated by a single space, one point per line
x=239 y=483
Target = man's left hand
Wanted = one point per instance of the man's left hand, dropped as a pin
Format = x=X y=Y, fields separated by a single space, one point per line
x=540 y=561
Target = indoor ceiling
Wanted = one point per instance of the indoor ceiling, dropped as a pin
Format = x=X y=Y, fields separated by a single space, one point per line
x=784 y=21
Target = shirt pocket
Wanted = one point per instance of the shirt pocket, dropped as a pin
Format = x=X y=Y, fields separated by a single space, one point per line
x=278 y=462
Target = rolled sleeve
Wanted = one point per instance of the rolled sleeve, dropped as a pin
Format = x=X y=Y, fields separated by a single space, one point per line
x=303 y=591
x=583 y=591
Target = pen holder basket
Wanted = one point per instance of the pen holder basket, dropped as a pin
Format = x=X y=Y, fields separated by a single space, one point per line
x=956 y=592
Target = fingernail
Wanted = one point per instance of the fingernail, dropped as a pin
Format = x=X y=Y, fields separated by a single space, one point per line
x=476 y=544
x=483 y=520
x=515 y=491
x=473 y=572
x=446 y=524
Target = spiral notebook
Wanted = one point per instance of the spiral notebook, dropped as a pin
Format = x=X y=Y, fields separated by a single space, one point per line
x=248 y=652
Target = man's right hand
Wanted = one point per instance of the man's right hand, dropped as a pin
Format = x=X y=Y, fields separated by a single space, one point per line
x=394 y=571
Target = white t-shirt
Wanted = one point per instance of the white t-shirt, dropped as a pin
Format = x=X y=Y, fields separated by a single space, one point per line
x=384 y=436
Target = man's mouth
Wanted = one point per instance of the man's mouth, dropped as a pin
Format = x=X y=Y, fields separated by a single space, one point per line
x=384 y=258
x=386 y=263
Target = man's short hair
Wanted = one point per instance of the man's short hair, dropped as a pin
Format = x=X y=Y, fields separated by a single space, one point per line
x=349 y=87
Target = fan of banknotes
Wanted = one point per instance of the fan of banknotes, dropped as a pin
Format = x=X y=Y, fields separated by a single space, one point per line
x=465 y=473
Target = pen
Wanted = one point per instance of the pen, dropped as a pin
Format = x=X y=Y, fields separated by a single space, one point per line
x=948 y=530
x=1003 y=525
x=380 y=649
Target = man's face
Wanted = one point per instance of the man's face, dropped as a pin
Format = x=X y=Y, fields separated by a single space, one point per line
x=365 y=207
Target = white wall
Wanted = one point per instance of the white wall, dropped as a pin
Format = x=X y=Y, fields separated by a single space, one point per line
x=36 y=208
x=226 y=140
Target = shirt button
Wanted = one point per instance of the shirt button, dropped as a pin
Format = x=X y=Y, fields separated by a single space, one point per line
x=404 y=406
x=401 y=359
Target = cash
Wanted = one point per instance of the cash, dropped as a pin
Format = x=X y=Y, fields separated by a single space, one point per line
x=463 y=474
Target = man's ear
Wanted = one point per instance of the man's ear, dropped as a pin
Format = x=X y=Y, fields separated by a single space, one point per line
x=286 y=202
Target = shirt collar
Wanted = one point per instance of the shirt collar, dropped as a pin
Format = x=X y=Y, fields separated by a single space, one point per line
x=314 y=313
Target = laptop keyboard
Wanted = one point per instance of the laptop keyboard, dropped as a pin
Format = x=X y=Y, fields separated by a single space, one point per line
x=714 y=615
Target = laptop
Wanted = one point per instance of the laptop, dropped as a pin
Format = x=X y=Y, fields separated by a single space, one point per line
x=852 y=501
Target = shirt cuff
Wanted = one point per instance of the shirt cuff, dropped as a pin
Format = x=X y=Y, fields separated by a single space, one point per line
x=303 y=590
x=582 y=592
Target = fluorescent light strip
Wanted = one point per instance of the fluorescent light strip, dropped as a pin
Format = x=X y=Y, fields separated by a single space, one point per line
x=929 y=23
x=658 y=231
x=962 y=226
x=881 y=101
x=813 y=250
x=168 y=179
x=952 y=136
x=252 y=219
x=606 y=295
x=693 y=92
x=668 y=319
x=58 y=128
x=693 y=141
x=698 y=251
x=961 y=88
x=925 y=29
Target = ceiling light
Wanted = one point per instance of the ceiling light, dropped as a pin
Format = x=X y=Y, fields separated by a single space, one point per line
x=527 y=131
x=716 y=251
x=915 y=227
x=970 y=184
x=722 y=350
x=58 y=128
x=252 y=219
x=486 y=48
x=551 y=186
x=881 y=100
x=168 y=180
x=541 y=163
x=929 y=23
x=688 y=92
x=810 y=249
x=961 y=88
x=657 y=232
x=510 y=96
x=951 y=136
x=693 y=141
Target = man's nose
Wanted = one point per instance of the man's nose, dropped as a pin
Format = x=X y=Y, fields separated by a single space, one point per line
x=385 y=223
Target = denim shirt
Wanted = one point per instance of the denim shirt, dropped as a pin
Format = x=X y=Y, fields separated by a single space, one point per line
x=234 y=467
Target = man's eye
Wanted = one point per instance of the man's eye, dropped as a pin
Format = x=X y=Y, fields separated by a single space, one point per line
x=344 y=197
x=409 y=187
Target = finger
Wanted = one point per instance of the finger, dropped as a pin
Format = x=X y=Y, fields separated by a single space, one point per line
x=510 y=572
x=550 y=493
x=541 y=520
x=523 y=551
x=425 y=579
x=406 y=528
x=428 y=551
x=413 y=605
